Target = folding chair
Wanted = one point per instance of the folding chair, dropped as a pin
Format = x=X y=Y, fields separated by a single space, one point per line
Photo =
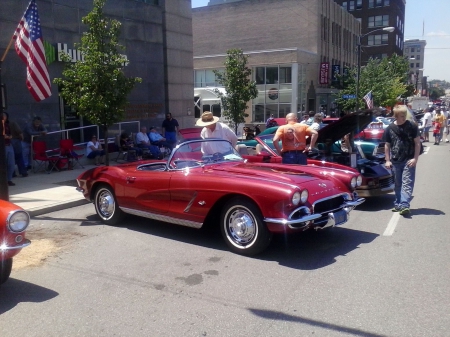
x=121 y=152
x=42 y=160
x=67 y=150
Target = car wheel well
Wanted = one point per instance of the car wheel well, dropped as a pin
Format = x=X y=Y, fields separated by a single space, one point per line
x=213 y=217
x=96 y=186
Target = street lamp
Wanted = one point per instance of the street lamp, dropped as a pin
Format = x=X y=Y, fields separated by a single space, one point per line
x=386 y=29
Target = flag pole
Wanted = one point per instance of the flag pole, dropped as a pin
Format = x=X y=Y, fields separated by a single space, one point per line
x=7 y=49
x=4 y=191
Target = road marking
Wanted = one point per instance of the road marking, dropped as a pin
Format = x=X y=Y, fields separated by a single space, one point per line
x=426 y=149
x=392 y=224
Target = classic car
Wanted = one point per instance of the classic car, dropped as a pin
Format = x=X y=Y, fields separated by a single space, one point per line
x=377 y=179
x=12 y=236
x=253 y=142
x=207 y=181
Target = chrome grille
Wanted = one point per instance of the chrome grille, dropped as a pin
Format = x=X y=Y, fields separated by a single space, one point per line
x=326 y=206
x=386 y=182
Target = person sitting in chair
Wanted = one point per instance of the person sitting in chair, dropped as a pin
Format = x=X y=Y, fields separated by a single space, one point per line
x=95 y=151
x=143 y=142
x=157 y=139
x=126 y=144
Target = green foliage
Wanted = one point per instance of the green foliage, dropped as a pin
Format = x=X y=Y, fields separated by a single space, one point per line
x=238 y=87
x=96 y=86
x=435 y=93
x=386 y=78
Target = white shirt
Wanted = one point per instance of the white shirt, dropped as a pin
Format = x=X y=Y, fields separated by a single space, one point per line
x=96 y=145
x=140 y=136
x=427 y=119
x=221 y=131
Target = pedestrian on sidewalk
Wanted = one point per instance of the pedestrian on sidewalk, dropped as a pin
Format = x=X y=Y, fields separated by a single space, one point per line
x=16 y=142
x=36 y=128
x=9 y=151
x=402 y=149
x=427 y=123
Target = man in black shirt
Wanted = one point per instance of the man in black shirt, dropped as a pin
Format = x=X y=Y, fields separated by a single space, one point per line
x=170 y=129
x=402 y=151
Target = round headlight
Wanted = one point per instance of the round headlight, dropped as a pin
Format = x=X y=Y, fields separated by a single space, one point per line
x=359 y=181
x=353 y=182
x=304 y=196
x=296 y=198
x=18 y=221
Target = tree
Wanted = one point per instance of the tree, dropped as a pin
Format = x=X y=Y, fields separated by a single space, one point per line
x=96 y=86
x=239 y=88
x=386 y=79
x=436 y=93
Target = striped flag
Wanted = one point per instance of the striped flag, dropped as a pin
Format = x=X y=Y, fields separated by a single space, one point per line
x=30 y=48
x=369 y=100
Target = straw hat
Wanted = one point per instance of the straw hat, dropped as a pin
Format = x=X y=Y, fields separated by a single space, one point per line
x=207 y=119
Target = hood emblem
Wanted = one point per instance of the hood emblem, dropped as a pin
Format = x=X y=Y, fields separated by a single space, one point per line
x=323 y=185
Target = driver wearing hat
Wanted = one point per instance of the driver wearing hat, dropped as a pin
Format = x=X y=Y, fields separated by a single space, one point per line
x=212 y=128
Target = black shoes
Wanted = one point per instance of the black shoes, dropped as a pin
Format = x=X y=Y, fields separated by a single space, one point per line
x=10 y=183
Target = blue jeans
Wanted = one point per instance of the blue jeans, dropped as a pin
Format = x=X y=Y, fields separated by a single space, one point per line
x=293 y=157
x=404 y=178
x=171 y=137
x=10 y=162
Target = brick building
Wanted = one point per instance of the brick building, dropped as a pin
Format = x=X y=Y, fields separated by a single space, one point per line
x=294 y=48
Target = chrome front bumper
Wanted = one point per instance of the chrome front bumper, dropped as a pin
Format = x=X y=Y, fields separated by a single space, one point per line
x=23 y=244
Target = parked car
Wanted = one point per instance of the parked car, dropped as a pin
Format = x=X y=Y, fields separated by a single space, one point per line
x=253 y=142
x=207 y=181
x=376 y=178
x=14 y=222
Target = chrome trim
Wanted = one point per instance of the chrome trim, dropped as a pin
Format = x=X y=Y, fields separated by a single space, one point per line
x=163 y=218
x=281 y=221
x=189 y=205
x=22 y=245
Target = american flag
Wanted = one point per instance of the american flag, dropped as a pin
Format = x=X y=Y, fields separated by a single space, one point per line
x=30 y=49
x=369 y=100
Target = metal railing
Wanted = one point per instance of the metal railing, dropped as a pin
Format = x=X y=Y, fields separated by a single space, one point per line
x=52 y=139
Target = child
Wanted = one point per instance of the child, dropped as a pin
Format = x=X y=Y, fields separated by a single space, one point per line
x=436 y=132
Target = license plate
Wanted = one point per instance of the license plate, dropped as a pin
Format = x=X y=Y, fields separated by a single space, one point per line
x=340 y=217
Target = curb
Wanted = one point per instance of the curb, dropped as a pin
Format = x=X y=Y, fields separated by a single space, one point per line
x=56 y=207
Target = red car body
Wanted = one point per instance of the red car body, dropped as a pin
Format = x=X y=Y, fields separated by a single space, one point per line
x=248 y=201
x=12 y=235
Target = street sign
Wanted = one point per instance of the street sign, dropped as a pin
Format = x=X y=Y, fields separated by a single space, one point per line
x=348 y=96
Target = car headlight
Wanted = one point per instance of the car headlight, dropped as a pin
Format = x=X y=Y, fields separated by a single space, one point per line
x=296 y=198
x=304 y=196
x=18 y=221
x=359 y=180
x=353 y=182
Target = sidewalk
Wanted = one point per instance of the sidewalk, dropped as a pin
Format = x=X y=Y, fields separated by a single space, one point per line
x=40 y=193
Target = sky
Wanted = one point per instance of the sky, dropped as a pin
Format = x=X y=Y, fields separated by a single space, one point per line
x=425 y=20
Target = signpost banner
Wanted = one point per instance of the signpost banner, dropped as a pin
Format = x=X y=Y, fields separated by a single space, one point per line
x=324 y=69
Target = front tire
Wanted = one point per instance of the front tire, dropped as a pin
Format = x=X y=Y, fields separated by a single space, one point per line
x=243 y=228
x=5 y=269
x=107 y=207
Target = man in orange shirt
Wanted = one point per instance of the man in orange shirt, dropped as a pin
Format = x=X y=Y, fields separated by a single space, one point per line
x=293 y=140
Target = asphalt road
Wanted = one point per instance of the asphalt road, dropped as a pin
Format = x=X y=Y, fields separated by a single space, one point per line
x=378 y=275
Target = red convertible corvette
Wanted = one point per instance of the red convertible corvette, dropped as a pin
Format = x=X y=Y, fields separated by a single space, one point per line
x=208 y=181
x=14 y=221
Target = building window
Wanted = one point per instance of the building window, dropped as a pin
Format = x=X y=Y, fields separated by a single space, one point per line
x=417 y=57
x=413 y=50
x=378 y=3
x=358 y=4
x=418 y=65
x=371 y=3
x=151 y=2
x=344 y=5
x=378 y=40
x=205 y=78
x=351 y=6
x=411 y=65
x=407 y=50
x=418 y=49
x=378 y=21
x=387 y=3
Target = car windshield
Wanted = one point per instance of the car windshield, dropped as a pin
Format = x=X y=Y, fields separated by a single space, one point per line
x=201 y=152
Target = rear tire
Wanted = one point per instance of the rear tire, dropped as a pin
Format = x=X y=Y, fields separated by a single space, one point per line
x=5 y=269
x=107 y=207
x=243 y=228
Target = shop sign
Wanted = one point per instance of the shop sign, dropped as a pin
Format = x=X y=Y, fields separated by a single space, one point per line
x=324 y=68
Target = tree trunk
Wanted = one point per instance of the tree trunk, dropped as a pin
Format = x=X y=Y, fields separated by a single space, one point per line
x=105 y=132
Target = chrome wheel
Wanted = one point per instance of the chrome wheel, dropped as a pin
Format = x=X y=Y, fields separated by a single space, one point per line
x=241 y=225
x=106 y=206
x=243 y=228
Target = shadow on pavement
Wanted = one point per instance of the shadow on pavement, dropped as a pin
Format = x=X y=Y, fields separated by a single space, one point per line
x=14 y=291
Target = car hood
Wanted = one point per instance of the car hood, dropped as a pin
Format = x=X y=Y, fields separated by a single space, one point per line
x=288 y=174
x=355 y=121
